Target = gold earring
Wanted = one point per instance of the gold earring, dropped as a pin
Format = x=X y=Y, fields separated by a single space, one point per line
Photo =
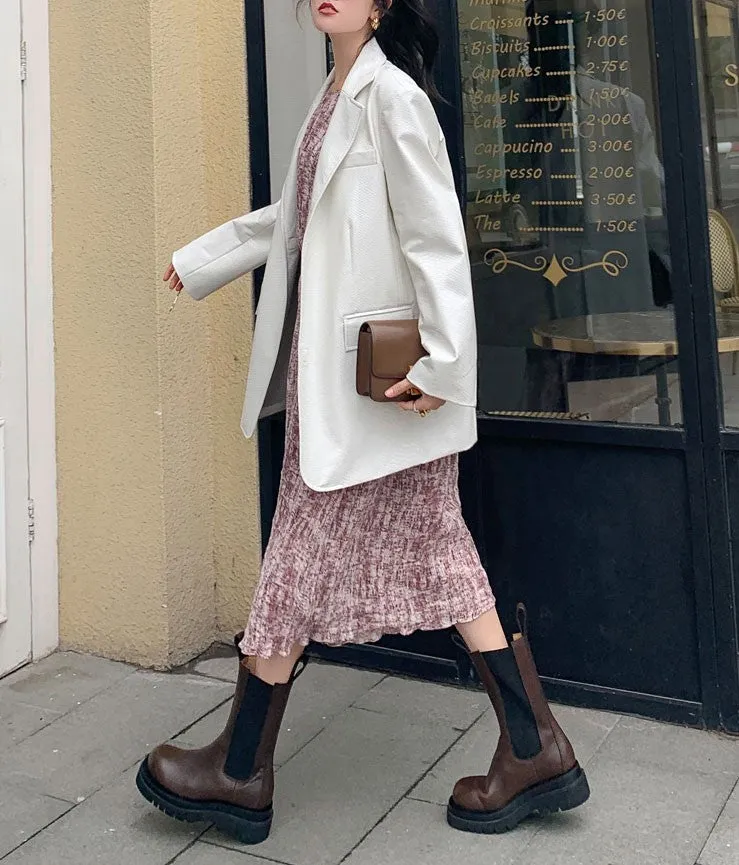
x=375 y=22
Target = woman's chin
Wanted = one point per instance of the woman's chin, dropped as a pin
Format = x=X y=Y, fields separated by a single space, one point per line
x=324 y=24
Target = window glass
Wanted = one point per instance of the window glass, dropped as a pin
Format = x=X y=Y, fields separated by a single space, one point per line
x=716 y=32
x=565 y=210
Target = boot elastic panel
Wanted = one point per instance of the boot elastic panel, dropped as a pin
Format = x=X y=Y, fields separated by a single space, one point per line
x=522 y=726
x=248 y=729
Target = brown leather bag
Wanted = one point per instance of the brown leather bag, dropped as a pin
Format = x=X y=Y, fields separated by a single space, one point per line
x=386 y=351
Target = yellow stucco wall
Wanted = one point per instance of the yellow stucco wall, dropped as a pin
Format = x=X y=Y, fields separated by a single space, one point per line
x=158 y=506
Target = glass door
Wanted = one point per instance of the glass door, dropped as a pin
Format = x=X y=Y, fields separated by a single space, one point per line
x=593 y=491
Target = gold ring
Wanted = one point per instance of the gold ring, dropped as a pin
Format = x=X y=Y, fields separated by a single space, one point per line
x=423 y=413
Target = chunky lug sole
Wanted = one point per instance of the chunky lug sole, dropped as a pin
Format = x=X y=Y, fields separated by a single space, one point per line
x=560 y=794
x=247 y=826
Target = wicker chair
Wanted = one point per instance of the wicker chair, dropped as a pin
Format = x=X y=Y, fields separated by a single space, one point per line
x=724 y=267
x=724 y=261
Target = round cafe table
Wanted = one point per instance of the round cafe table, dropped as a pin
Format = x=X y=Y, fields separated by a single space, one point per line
x=630 y=334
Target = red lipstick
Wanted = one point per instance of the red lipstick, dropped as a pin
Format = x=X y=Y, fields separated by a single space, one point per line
x=327 y=9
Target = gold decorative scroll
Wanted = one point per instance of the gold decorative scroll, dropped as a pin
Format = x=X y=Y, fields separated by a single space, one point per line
x=613 y=263
x=498 y=262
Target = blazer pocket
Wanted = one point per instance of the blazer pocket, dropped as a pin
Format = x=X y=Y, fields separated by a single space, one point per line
x=355 y=320
x=359 y=157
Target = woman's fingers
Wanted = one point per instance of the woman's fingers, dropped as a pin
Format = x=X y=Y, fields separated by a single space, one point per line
x=397 y=389
x=173 y=278
x=423 y=403
x=426 y=403
x=407 y=406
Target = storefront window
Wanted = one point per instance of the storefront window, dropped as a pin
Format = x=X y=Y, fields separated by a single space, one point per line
x=565 y=210
x=717 y=30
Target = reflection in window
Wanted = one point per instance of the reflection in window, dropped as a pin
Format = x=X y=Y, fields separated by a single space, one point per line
x=565 y=210
x=716 y=30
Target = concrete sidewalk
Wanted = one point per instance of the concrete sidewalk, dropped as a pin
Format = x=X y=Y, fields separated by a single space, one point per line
x=367 y=763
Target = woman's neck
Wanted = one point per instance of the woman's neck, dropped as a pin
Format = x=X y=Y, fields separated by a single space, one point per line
x=346 y=48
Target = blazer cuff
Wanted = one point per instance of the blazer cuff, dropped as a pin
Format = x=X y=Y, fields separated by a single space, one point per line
x=461 y=390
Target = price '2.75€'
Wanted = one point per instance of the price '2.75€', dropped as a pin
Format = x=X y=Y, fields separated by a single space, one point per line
x=601 y=66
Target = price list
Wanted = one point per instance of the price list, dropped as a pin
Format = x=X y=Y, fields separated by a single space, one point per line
x=555 y=135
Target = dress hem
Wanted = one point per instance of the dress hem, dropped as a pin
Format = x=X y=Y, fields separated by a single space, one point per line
x=283 y=646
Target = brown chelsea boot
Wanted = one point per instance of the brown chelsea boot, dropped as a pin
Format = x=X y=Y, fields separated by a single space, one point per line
x=230 y=782
x=534 y=769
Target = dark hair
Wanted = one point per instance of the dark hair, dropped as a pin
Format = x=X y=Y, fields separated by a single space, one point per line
x=408 y=36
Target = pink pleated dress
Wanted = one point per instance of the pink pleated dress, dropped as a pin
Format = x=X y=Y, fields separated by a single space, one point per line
x=390 y=556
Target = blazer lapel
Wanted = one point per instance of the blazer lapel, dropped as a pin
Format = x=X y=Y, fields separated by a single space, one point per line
x=344 y=125
x=340 y=135
x=289 y=205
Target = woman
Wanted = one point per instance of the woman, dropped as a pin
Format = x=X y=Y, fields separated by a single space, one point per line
x=368 y=536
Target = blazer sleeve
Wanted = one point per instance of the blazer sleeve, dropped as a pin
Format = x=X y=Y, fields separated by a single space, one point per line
x=226 y=252
x=431 y=231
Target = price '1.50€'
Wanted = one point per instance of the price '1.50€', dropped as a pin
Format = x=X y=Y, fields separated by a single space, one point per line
x=616 y=226
x=606 y=15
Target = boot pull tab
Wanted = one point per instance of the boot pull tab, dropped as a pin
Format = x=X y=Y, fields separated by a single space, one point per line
x=522 y=617
x=299 y=668
x=459 y=642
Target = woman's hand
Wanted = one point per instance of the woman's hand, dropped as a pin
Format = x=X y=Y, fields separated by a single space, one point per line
x=171 y=276
x=424 y=403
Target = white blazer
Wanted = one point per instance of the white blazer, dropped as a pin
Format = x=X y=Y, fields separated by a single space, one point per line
x=385 y=238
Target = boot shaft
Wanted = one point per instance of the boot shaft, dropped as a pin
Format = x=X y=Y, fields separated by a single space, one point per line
x=549 y=729
x=556 y=754
x=256 y=725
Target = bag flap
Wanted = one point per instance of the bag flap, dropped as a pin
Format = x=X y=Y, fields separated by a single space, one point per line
x=396 y=346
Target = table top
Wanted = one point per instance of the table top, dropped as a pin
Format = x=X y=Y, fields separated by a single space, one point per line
x=650 y=333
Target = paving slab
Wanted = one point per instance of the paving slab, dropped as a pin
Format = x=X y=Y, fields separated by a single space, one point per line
x=423 y=702
x=671 y=746
x=638 y=814
x=321 y=693
x=106 y=735
x=210 y=854
x=219 y=668
x=341 y=784
x=471 y=755
x=19 y=720
x=115 y=825
x=205 y=730
x=23 y=814
x=722 y=847
x=416 y=833
x=62 y=681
